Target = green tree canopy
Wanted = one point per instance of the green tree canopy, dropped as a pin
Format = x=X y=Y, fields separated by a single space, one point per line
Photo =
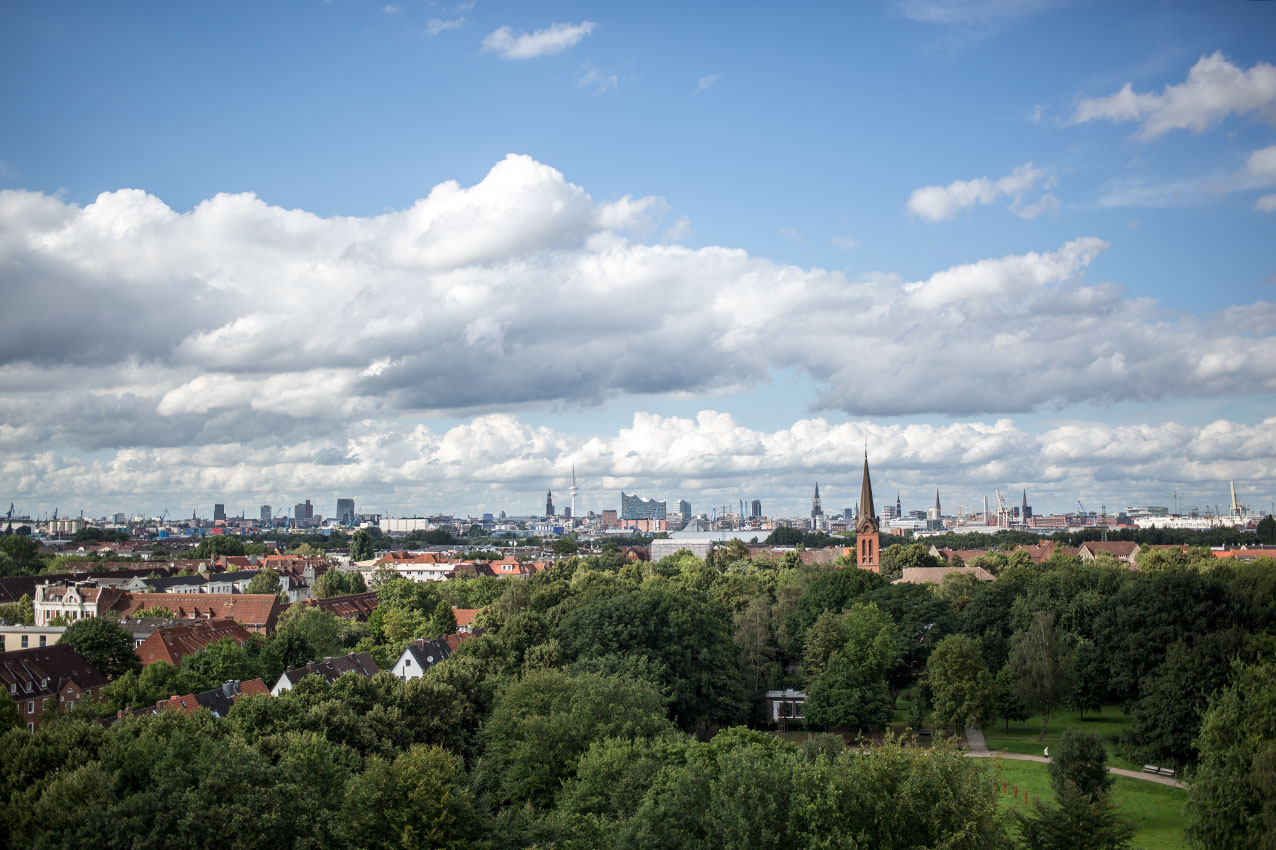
x=962 y=689
x=1042 y=662
x=104 y=644
x=361 y=547
x=220 y=544
x=1232 y=803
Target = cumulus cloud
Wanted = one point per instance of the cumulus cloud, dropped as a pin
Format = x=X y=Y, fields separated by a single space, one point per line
x=597 y=81
x=553 y=39
x=1267 y=203
x=937 y=203
x=1215 y=89
x=496 y=461
x=130 y=325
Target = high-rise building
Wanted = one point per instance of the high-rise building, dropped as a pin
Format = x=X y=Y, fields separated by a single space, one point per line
x=303 y=510
x=219 y=512
x=265 y=514
x=345 y=511
x=549 y=503
x=684 y=510
x=756 y=509
x=636 y=507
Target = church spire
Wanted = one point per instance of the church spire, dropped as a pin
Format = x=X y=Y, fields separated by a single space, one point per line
x=867 y=512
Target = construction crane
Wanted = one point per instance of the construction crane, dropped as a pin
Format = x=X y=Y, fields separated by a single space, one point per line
x=1003 y=512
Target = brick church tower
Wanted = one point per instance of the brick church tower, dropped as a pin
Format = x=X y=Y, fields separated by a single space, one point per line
x=867 y=531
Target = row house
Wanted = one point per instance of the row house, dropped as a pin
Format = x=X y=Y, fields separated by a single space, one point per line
x=173 y=643
x=73 y=600
x=48 y=678
x=27 y=637
x=256 y=612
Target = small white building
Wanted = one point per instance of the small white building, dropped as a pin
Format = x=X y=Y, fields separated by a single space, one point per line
x=420 y=656
x=785 y=705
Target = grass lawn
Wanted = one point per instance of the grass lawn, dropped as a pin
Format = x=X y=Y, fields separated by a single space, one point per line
x=1156 y=810
x=1108 y=724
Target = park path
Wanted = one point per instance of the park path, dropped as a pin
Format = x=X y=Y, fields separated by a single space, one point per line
x=976 y=747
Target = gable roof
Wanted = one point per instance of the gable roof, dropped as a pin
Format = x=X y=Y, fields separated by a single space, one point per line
x=427 y=653
x=352 y=606
x=464 y=616
x=173 y=643
x=253 y=610
x=45 y=670
x=332 y=668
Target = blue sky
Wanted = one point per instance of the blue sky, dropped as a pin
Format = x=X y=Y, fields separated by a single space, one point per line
x=803 y=166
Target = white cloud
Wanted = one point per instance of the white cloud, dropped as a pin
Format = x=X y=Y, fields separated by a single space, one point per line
x=489 y=462
x=846 y=243
x=706 y=82
x=598 y=81
x=971 y=11
x=1214 y=90
x=937 y=203
x=392 y=9
x=130 y=326
x=553 y=39
x=1259 y=172
x=434 y=26
x=1267 y=203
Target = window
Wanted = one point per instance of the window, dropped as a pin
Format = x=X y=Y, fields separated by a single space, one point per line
x=25 y=640
x=43 y=640
x=30 y=706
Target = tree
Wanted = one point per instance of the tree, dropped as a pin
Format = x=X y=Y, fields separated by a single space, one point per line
x=1266 y=530
x=104 y=644
x=221 y=544
x=823 y=639
x=1007 y=705
x=9 y=717
x=962 y=689
x=1232 y=803
x=1080 y=759
x=754 y=637
x=1092 y=677
x=852 y=689
x=565 y=546
x=1082 y=816
x=266 y=581
x=418 y=799
x=895 y=558
x=688 y=635
x=21 y=612
x=155 y=612
x=541 y=726
x=1040 y=657
x=361 y=547
x=338 y=583
x=23 y=552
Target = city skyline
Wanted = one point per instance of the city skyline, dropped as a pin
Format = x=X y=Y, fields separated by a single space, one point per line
x=432 y=257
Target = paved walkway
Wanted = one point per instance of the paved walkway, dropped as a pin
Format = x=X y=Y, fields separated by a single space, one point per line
x=976 y=747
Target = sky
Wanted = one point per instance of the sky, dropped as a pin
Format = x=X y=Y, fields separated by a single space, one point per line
x=432 y=256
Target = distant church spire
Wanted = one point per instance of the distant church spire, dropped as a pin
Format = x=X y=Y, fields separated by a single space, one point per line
x=549 y=503
x=936 y=500
x=816 y=510
x=867 y=538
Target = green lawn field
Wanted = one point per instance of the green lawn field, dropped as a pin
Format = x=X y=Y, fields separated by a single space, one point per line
x=1156 y=810
x=1108 y=724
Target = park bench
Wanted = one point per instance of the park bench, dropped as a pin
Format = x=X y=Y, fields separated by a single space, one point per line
x=1160 y=771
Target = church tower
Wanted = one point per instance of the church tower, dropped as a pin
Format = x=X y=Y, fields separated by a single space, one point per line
x=867 y=530
x=817 y=512
x=549 y=503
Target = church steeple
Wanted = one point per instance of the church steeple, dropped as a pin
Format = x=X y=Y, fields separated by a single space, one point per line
x=867 y=536
x=867 y=512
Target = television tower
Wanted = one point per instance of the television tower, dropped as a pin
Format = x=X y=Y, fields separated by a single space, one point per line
x=573 y=491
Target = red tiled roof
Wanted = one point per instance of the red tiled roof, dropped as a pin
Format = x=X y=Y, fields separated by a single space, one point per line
x=464 y=616
x=46 y=669
x=353 y=606
x=173 y=643
x=253 y=688
x=255 y=611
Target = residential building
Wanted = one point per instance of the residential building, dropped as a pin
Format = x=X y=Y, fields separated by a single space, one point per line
x=353 y=606
x=173 y=643
x=47 y=678
x=28 y=637
x=358 y=663
x=419 y=656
